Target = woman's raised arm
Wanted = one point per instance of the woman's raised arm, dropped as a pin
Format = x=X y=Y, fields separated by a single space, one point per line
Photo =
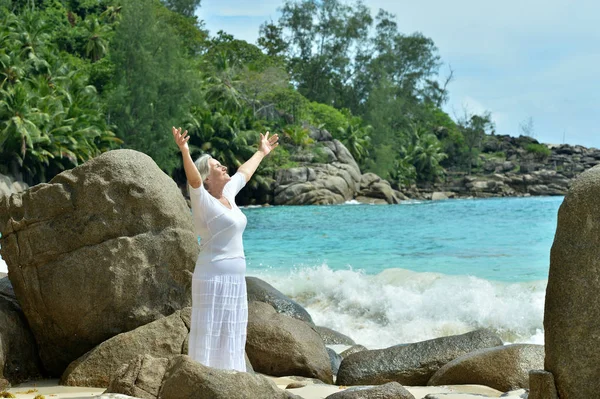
x=265 y=146
x=191 y=172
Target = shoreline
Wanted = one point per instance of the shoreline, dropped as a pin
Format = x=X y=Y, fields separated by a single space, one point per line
x=50 y=388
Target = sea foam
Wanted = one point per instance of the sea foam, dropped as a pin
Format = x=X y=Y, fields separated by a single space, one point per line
x=401 y=306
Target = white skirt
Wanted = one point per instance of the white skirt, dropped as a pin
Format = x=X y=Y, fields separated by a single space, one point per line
x=219 y=314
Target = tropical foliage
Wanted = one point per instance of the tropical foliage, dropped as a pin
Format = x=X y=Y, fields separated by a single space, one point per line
x=78 y=78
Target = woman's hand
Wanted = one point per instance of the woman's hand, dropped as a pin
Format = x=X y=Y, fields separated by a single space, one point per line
x=267 y=144
x=181 y=139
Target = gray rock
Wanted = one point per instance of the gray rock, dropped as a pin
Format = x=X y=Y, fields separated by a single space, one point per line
x=6 y=289
x=142 y=377
x=330 y=183
x=352 y=349
x=541 y=385
x=319 y=134
x=503 y=368
x=391 y=390
x=19 y=359
x=335 y=360
x=102 y=249
x=261 y=291
x=367 y=179
x=163 y=338
x=332 y=337
x=342 y=154
x=147 y=377
x=328 y=152
x=280 y=345
x=572 y=306
x=186 y=379
x=411 y=364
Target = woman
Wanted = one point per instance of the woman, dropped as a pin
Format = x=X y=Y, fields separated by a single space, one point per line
x=219 y=304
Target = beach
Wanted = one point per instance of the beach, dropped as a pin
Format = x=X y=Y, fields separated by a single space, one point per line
x=52 y=389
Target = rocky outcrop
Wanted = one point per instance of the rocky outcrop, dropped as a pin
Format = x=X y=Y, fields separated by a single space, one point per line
x=572 y=306
x=102 y=249
x=334 y=181
x=163 y=338
x=19 y=360
x=280 y=345
x=261 y=291
x=411 y=364
x=391 y=390
x=509 y=169
x=316 y=184
x=180 y=377
x=504 y=368
x=375 y=190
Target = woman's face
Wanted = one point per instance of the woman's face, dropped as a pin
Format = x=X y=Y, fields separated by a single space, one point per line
x=217 y=173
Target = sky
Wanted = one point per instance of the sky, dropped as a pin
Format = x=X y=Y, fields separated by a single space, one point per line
x=518 y=59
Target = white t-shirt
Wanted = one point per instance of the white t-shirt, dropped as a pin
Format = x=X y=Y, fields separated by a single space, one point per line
x=220 y=228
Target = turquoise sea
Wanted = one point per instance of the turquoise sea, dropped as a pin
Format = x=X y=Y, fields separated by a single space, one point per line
x=391 y=274
x=388 y=274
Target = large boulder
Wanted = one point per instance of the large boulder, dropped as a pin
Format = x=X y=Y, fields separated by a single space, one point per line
x=19 y=359
x=182 y=378
x=541 y=385
x=332 y=337
x=572 y=311
x=391 y=390
x=373 y=189
x=102 y=249
x=280 y=345
x=163 y=338
x=261 y=291
x=504 y=368
x=411 y=364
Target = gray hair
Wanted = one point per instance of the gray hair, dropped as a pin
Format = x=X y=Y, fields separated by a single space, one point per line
x=203 y=166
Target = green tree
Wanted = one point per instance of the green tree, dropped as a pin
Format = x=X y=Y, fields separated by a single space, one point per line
x=50 y=117
x=424 y=152
x=184 y=7
x=271 y=40
x=322 y=37
x=474 y=127
x=153 y=85
x=97 y=39
x=356 y=138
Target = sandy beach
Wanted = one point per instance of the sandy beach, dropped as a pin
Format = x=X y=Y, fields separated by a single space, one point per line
x=51 y=389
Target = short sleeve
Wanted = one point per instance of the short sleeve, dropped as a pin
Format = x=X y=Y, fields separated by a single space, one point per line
x=199 y=199
x=237 y=182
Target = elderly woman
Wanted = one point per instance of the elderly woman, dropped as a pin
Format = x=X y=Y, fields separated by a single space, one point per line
x=219 y=304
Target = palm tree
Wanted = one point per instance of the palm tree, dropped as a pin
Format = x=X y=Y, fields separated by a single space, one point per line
x=96 y=45
x=356 y=139
x=19 y=132
x=424 y=152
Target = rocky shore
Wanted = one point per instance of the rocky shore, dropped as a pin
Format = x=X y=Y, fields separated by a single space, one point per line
x=98 y=293
x=504 y=168
x=507 y=167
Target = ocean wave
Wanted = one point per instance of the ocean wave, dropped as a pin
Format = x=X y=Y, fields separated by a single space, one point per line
x=400 y=306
